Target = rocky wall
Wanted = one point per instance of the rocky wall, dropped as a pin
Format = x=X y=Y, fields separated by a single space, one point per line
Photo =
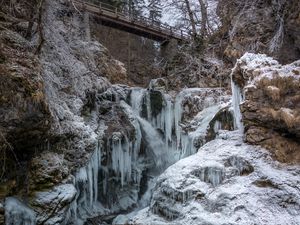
x=271 y=107
x=270 y=27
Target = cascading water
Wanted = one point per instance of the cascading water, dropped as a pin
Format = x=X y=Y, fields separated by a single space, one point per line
x=156 y=148
x=177 y=141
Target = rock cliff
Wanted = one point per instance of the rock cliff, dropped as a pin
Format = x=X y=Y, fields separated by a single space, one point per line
x=268 y=27
x=76 y=146
x=270 y=108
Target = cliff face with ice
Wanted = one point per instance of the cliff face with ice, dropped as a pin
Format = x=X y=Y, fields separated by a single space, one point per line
x=231 y=182
x=77 y=149
x=95 y=147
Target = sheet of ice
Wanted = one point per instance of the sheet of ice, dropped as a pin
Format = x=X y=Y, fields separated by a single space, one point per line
x=237 y=99
x=136 y=99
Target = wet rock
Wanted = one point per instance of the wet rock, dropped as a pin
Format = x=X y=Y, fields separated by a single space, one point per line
x=265 y=183
x=157 y=101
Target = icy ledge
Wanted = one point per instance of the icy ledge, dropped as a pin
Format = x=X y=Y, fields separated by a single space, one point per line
x=226 y=182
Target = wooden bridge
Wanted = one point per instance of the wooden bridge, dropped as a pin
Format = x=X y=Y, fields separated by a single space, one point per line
x=120 y=19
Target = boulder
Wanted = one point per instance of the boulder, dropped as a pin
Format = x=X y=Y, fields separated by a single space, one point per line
x=52 y=206
x=271 y=107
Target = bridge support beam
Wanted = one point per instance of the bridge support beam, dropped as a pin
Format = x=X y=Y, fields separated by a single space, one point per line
x=168 y=49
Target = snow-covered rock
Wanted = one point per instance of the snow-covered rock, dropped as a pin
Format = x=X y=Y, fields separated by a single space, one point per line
x=47 y=170
x=270 y=108
x=52 y=206
x=226 y=182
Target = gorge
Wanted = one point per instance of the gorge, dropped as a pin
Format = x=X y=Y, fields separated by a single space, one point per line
x=209 y=140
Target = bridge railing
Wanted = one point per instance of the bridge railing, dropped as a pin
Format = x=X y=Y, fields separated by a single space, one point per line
x=125 y=15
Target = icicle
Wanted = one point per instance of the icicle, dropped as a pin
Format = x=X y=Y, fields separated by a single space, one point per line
x=237 y=98
x=86 y=183
x=136 y=99
x=168 y=117
x=187 y=145
x=177 y=117
x=148 y=104
x=217 y=126
x=211 y=174
x=121 y=157
x=127 y=167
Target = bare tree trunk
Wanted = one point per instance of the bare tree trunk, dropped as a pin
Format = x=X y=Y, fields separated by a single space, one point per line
x=204 y=18
x=192 y=19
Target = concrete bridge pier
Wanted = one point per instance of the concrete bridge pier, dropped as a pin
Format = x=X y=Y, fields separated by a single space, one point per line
x=168 y=48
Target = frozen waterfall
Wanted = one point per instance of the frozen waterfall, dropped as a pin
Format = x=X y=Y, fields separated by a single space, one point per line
x=179 y=143
x=122 y=170
x=155 y=146
x=86 y=203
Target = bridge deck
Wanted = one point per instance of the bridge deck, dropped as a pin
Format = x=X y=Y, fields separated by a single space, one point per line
x=142 y=26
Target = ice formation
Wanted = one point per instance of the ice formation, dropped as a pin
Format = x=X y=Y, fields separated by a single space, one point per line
x=162 y=135
x=86 y=203
x=122 y=157
x=169 y=120
x=155 y=146
x=17 y=213
x=225 y=182
x=137 y=95
x=237 y=99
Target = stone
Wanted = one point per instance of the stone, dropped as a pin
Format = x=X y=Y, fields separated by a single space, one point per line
x=52 y=206
x=47 y=170
x=271 y=107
